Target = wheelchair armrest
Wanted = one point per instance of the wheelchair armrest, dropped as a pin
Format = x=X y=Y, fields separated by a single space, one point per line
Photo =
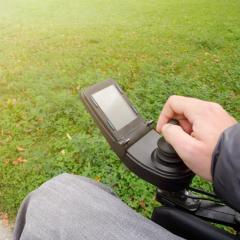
x=188 y=226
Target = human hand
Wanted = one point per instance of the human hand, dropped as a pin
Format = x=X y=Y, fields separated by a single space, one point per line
x=201 y=124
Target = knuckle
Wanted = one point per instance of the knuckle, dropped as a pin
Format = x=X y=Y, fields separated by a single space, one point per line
x=172 y=98
x=214 y=106
x=168 y=129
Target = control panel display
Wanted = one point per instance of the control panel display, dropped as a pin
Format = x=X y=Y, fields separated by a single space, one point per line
x=114 y=107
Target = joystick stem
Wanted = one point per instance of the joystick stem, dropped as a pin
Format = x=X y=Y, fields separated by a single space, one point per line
x=176 y=174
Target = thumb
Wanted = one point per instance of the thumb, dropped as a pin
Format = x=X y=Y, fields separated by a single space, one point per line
x=182 y=142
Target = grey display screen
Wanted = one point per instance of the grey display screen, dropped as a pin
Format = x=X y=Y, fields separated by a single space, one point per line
x=114 y=107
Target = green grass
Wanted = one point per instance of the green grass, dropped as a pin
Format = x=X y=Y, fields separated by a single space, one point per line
x=50 y=50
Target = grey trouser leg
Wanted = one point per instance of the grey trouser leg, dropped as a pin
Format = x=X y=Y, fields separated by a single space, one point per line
x=70 y=207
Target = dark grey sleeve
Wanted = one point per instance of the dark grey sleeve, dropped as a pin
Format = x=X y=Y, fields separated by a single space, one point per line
x=226 y=167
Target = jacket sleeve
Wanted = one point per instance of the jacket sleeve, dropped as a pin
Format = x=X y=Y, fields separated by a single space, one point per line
x=226 y=167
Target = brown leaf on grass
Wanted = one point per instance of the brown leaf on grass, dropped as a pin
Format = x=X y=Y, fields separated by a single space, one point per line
x=6 y=162
x=5 y=219
x=40 y=120
x=20 y=149
x=19 y=160
x=142 y=204
x=98 y=178
x=29 y=130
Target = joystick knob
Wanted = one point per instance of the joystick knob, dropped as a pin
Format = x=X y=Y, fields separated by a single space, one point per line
x=176 y=175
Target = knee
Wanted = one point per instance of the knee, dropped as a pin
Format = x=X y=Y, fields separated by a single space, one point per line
x=65 y=183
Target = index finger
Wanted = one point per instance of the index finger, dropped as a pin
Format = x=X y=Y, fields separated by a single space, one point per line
x=177 y=107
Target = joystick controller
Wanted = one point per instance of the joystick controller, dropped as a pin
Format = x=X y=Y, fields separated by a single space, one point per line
x=176 y=174
x=141 y=148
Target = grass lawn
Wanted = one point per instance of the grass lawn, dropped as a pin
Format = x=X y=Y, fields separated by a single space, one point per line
x=50 y=50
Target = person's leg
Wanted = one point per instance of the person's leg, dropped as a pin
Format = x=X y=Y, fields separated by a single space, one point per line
x=70 y=207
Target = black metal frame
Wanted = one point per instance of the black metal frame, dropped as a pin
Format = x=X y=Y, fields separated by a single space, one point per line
x=189 y=216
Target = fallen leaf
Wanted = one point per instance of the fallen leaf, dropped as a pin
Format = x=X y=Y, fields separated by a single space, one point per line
x=98 y=178
x=69 y=136
x=4 y=218
x=19 y=160
x=20 y=149
x=40 y=120
x=142 y=204
x=6 y=162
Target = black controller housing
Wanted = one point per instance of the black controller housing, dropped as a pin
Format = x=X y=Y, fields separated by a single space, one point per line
x=136 y=143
